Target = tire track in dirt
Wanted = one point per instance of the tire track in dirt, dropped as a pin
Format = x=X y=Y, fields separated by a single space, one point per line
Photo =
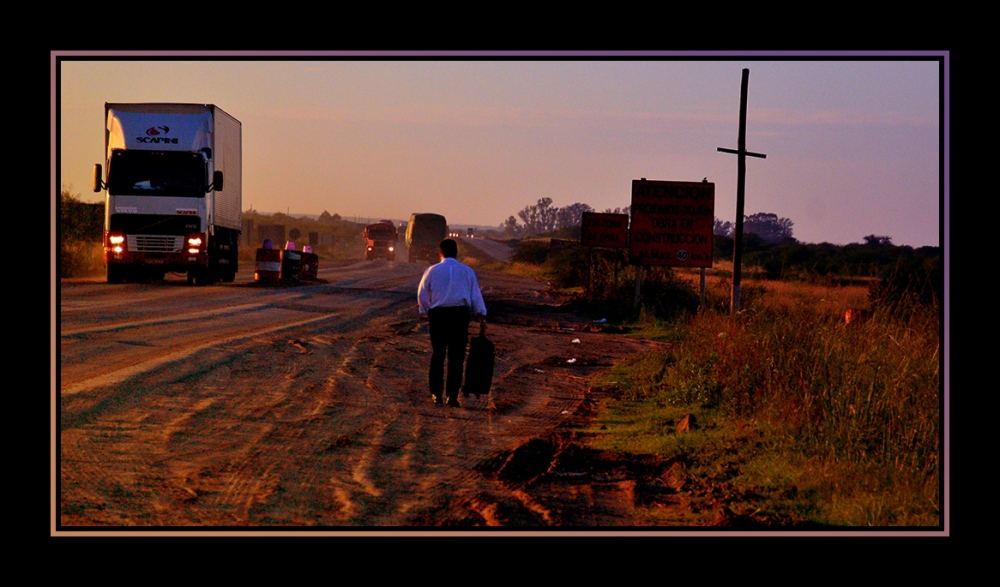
x=256 y=394
x=300 y=456
x=327 y=424
x=472 y=435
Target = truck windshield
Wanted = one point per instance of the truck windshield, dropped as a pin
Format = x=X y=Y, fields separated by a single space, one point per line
x=156 y=173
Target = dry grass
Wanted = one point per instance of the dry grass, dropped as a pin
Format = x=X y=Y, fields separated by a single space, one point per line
x=828 y=300
x=859 y=403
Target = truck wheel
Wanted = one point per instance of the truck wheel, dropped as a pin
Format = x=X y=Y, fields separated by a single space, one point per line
x=229 y=274
x=116 y=274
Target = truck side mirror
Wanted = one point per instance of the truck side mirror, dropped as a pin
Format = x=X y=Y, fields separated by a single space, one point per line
x=98 y=175
x=217 y=181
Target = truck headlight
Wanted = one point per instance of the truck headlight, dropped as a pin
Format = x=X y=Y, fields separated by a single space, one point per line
x=116 y=242
x=194 y=243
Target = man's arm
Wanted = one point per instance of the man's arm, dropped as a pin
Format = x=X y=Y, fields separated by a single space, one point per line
x=424 y=293
x=478 y=305
x=476 y=296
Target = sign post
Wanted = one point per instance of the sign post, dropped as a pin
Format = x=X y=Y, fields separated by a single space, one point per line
x=605 y=231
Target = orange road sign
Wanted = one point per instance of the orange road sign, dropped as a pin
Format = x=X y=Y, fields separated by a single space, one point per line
x=672 y=223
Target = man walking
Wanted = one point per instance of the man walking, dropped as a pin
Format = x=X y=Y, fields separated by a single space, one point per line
x=447 y=293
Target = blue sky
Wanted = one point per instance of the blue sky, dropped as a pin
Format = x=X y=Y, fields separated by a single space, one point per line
x=852 y=144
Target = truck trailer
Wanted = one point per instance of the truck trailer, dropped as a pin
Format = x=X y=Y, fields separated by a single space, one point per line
x=173 y=191
x=424 y=234
x=380 y=240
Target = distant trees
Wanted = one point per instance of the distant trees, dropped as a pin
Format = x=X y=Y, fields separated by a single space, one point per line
x=79 y=221
x=510 y=227
x=538 y=218
x=542 y=217
x=721 y=228
x=878 y=241
x=768 y=227
x=770 y=251
x=326 y=218
x=81 y=227
x=572 y=215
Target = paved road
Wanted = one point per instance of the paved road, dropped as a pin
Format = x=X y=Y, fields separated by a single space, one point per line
x=494 y=248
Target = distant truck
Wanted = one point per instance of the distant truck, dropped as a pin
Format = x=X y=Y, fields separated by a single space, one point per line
x=380 y=240
x=173 y=191
x=424 y=234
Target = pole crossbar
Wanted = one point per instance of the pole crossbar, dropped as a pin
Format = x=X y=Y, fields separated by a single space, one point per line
x=747 y=153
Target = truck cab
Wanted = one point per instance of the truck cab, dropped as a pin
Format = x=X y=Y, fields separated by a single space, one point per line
x=380 y=240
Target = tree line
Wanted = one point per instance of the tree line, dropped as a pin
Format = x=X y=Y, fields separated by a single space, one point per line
x=770 y=249
x=542 y=218
x=767 y=226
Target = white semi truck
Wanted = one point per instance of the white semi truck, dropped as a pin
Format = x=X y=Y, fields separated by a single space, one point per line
x=173 y=192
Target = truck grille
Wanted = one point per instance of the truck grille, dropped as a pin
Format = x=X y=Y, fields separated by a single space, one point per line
x=148 y=243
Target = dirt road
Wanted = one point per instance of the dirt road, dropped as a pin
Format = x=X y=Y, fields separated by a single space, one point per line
x=236 y=405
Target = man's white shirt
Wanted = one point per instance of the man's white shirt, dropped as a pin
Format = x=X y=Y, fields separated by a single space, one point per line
x=450 y=283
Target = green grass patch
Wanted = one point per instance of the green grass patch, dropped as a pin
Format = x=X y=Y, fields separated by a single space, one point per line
x=799 y=416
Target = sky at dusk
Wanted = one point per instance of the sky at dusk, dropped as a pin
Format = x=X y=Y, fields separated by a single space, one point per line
x=853 y=145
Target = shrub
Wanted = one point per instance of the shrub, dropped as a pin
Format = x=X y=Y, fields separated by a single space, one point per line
x=860 y=403
x=911 y=282
x=81 y=228
x=867 y=393
x=533 y=252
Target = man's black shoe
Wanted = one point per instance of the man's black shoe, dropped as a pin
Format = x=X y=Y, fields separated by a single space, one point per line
x=436 y=398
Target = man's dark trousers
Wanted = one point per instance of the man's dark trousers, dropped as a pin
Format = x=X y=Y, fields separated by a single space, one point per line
x=449 y=328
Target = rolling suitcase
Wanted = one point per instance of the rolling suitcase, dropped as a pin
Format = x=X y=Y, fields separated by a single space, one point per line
x=479 y=367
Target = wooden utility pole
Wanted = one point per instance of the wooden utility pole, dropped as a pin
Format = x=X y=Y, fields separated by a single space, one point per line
x=741 y=173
